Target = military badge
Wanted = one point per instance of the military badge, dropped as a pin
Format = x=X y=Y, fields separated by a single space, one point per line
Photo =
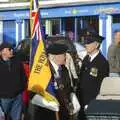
x=94 y=72
x=61 y=86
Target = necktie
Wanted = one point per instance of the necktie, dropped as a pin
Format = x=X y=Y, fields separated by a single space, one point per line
x=60 y=70
x=88 y=58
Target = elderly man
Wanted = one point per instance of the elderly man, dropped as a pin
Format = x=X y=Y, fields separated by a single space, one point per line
x=71 y=57
x=114 y=55
x=59 y=85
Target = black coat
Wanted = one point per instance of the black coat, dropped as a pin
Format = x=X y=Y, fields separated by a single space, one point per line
x=37 y=112
x=91 y=77
x=12 y=78
x=63 y=94
x=63 y=91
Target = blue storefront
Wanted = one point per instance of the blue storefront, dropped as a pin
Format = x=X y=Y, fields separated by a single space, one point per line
x=15 y=26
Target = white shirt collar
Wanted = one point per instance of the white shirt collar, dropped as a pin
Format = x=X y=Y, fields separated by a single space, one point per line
x=56 y=67
x=93 y=56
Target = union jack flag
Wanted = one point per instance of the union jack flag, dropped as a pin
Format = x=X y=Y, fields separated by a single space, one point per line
x=35 y=27
x=35 y=18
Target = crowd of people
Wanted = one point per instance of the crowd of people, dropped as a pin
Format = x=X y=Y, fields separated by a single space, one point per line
x=70 y=74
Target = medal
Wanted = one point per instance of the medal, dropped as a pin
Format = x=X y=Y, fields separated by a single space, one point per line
x=61 y=86
x=94 y=72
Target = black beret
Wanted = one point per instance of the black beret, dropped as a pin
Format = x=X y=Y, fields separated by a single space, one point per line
x=88 y=31
x=57 y=49
x=92 y=38
x=5 y=45
x=90 y=35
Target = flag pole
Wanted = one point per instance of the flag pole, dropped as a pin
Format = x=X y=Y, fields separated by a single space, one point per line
x=30 y=34
x=57 y=115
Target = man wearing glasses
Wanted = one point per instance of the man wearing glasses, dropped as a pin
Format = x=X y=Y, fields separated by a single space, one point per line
x=12 y=82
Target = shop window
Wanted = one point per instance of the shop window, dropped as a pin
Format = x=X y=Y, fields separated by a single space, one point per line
x=27 y=29
x=87 y=22
x=55 y=26
x=116 y=18
x=69 y=24
x=9 y=32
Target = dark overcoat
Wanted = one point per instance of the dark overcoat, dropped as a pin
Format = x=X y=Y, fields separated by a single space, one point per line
x=91 y=77
x=63 y=94
x=12 y=78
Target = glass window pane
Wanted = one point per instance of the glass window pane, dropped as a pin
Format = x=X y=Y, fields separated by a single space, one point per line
x=55 y=26
x=116 y=18
x=9 y=32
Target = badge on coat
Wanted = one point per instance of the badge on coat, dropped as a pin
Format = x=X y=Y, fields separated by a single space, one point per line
x=94 y=72
x=61 y=86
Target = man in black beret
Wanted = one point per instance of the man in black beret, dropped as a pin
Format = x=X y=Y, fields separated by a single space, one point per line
x=57 y=57
x=59 y=85
x=12 y=82
x=94 y=68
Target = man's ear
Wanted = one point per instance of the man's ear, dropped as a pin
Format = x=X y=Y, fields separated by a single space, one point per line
x=97 y=45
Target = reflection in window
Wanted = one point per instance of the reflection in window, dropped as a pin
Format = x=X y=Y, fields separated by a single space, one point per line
x=55 y=26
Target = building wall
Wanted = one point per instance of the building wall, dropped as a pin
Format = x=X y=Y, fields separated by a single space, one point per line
x=103 y=11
